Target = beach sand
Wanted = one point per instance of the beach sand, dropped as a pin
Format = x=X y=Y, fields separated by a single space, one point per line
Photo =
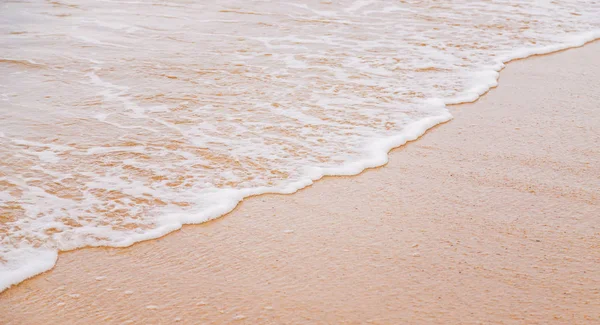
x=493 y=218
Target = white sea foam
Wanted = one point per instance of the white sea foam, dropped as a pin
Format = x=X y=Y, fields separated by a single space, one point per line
x=125 y=121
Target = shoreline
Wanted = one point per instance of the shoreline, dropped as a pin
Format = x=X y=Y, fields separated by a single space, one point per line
x=41 y=288
x=417 y=129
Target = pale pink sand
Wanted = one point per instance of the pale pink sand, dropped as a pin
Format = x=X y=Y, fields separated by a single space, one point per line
x=493 y=217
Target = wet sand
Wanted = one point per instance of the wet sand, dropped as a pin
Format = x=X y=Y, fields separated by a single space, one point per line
x=493 y=218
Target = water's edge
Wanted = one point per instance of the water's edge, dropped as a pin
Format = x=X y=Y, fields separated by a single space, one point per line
x=379 y=156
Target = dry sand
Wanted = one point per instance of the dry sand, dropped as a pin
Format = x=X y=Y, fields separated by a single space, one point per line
x=493 y=217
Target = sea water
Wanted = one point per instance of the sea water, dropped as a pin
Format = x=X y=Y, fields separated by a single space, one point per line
x=122 y=120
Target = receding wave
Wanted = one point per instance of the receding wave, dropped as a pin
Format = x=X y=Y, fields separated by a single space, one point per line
x=122 y=120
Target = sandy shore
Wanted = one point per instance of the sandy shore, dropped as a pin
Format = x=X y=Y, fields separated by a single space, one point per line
x=493 y=217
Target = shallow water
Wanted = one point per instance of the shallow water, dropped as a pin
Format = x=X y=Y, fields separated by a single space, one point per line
x=119 y=121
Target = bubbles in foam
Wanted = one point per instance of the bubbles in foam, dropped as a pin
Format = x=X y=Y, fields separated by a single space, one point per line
x=124 y=121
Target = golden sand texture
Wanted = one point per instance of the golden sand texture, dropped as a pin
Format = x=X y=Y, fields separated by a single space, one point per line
x=492 y=218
